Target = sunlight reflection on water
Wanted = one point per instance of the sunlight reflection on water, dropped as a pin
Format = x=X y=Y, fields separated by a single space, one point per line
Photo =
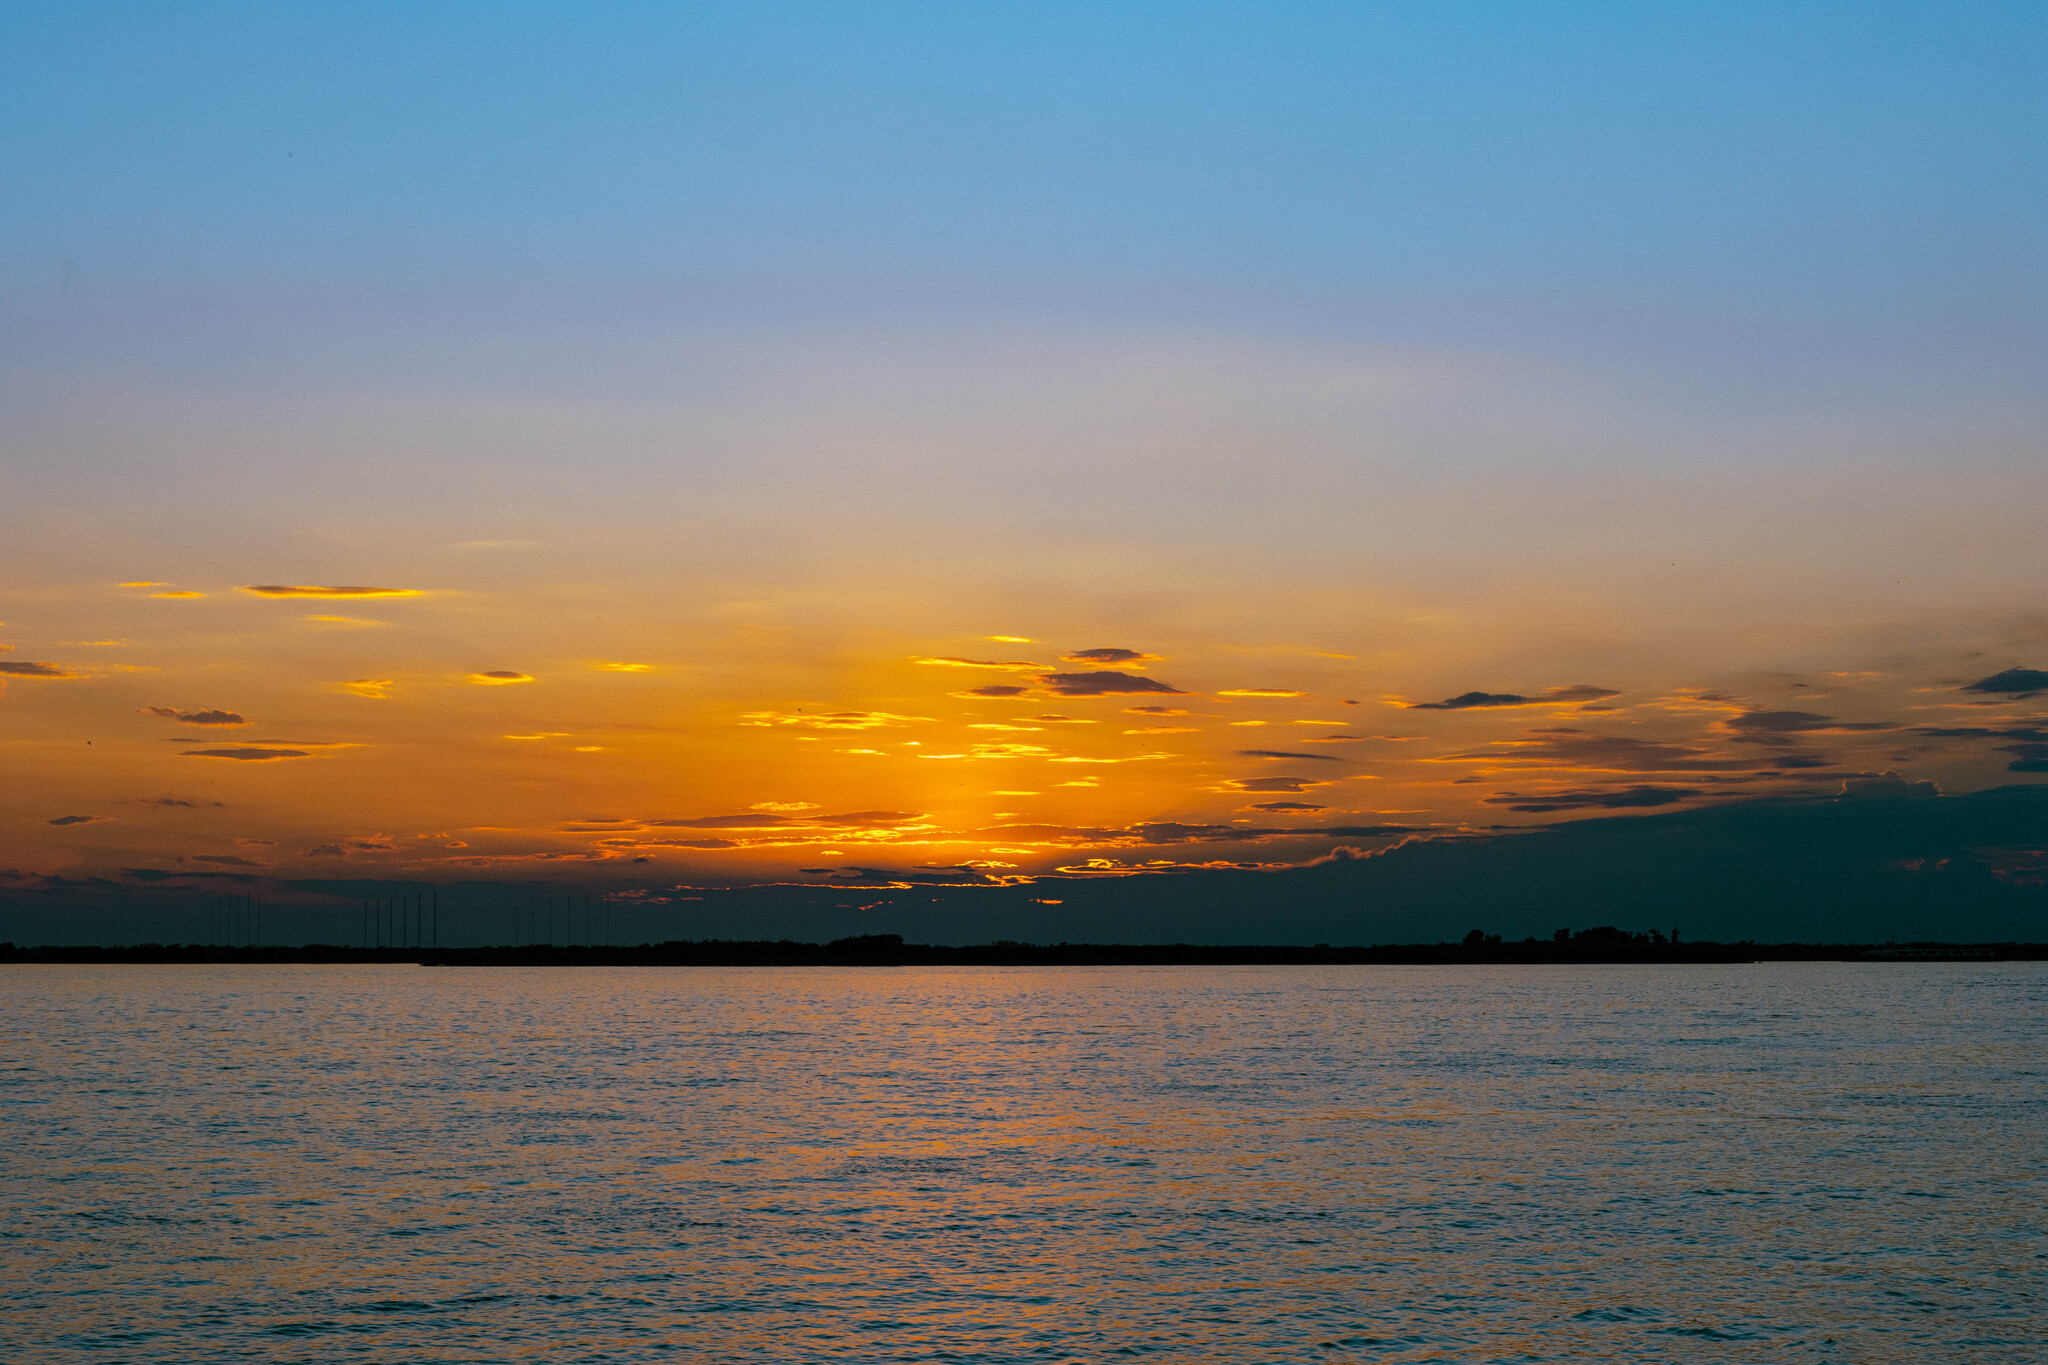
x=1814 y=1161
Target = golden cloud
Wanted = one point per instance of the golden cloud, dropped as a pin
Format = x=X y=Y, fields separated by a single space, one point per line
x=1008 y=665
x=177 y=594
x=830 y=720
x=368 y=687
x=624 y=668
x=1134 y=758
x=1275 y=784
x=499 y=677
x=1259 y=692
x=772 y=830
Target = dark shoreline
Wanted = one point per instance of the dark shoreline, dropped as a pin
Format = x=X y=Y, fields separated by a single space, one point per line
x=883 y=952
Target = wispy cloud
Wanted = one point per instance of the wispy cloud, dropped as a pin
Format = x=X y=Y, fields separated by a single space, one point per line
x=24 y=669
x=246 y=755
x=1104 y=683
x=1469 y=701
x=196 y=717
x=1784 y=727
x=2013 y=682
x=1007 y=665
x=312 y=590
x=830 y=720
x=1274 y=784
x=1580 y=692
x=499 y=677
x=1165 y=833
x=997 y=751
x=1282 y=753
x=1568 y=748
x=770 y=819
x=1589 y=798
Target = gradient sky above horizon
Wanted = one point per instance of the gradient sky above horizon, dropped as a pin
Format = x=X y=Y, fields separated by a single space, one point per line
x=706 y=367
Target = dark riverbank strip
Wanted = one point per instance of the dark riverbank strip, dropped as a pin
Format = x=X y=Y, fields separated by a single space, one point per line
x=887 y=950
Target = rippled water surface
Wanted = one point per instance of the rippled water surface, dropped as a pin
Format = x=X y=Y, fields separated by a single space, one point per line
x=1825 y=1162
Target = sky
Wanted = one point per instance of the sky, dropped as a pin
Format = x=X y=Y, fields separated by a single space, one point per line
x=661 y=447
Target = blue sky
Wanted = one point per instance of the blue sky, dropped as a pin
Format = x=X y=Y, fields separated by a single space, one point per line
x=1819 y=161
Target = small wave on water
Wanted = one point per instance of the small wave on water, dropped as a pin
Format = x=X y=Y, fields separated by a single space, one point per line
x=1791 y=1162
